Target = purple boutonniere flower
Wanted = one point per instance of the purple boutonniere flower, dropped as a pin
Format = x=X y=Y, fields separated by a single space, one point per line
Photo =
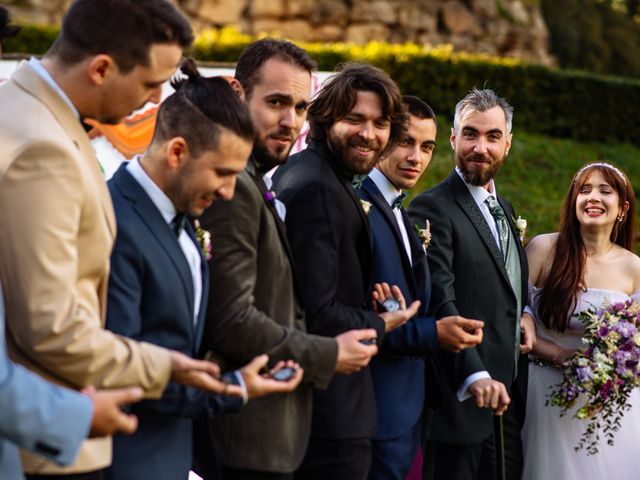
x=269 y=196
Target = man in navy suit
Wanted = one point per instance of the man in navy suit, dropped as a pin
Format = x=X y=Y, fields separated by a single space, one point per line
x=159 y=280
x=398 y=373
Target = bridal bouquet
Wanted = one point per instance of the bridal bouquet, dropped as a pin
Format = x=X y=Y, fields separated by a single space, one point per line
x=605 y=372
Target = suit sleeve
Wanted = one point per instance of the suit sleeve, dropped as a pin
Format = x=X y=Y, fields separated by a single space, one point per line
x=235 y=327
x=440 y=254
x=314 y=227
x=52 y=314
x=418 y=337
x=37 y=415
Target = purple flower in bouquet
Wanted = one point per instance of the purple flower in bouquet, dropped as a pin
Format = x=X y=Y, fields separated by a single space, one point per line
x=603 y=331
x=625 y=328
x=584 y=374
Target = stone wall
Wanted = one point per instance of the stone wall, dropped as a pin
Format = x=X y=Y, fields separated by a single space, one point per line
x=511 y=28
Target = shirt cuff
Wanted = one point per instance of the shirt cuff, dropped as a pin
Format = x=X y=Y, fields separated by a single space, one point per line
x=243 y=386
x=462 y=392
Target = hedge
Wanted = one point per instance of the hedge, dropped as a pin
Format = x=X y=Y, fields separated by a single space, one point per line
x=559 y=103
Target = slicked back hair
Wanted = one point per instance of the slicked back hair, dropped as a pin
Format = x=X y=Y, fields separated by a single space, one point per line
x=252 y=58
x=199 y=110
x=418 y=107
x=481 y=101
x=123 y=29
x=340 y=95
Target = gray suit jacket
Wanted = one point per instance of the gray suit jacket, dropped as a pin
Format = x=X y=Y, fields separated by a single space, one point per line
x=37 y=415
x=254 y=308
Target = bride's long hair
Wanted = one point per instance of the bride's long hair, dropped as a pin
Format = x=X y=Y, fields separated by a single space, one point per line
x=566 y=276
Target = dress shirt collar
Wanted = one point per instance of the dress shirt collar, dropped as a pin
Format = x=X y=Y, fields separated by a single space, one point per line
x=46 y=76
x=157 y=196
x=389 y=192
x=479 y=194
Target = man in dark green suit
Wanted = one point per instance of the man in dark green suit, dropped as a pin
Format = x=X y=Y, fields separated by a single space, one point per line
x=479 y=270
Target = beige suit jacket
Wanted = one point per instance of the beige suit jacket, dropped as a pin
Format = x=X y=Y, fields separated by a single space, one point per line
x=57 y=229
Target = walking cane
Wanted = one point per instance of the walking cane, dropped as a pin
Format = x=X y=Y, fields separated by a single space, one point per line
x=498 y=434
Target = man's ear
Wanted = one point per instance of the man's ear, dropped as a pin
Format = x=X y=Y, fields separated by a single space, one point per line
x=176 y=152
x=100 y=67
x=237 y=87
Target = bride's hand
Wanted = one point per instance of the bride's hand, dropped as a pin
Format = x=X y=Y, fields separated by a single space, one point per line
x=562 y=355
x=528 y=332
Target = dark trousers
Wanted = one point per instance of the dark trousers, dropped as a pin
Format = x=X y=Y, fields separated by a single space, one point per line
x=444 y=461
x=330 y=459
x=97 y=475
x=240 y=474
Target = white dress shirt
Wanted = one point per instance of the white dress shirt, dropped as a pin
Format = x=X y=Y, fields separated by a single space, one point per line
x=390 y=193
x=168 y=211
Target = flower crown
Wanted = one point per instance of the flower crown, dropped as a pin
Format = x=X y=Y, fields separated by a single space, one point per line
x=604 y=165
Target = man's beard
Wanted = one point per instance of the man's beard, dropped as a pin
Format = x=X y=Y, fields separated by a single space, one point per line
x=268 y=159
x=479 y=178
x=351 y=161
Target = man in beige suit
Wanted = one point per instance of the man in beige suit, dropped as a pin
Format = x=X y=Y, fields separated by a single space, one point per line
x=56 y=216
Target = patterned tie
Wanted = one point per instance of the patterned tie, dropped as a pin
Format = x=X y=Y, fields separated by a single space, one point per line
x=397 y=203
x=178 y=223
x=501 y=224
x=356 y=181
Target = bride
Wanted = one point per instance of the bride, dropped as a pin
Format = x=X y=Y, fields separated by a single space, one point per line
x=585 y=264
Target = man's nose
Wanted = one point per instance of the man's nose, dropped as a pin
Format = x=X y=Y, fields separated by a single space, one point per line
x=366 y=131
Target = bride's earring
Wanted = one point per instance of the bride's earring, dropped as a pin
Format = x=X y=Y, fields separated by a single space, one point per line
x=620 y=218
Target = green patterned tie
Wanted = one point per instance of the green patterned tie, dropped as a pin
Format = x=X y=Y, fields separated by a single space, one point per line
x=501 y=224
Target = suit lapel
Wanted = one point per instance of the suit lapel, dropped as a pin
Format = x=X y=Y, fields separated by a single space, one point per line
x=372 y=192
x=151 y=217
x=418 y=255
x=30 y=81
x=524 y=271
x=204 y=271
x=470 y=208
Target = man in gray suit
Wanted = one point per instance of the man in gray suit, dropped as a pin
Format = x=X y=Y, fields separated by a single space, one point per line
x=255 y=305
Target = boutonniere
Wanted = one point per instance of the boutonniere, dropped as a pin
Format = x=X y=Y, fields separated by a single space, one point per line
x=521 y=227
x=366 y=206
x=204 y=240
x=270 y=197
x=424 y=234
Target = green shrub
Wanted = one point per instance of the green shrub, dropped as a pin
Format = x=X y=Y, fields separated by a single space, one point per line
x=559 y=103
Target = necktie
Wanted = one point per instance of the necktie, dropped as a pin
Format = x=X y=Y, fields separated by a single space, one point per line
x=501 y=224
x=178 y=223
x=397 y=203
x=357 y=180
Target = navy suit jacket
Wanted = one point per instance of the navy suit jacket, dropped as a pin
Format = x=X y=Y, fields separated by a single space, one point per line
x=151 y=298
x=399 y=369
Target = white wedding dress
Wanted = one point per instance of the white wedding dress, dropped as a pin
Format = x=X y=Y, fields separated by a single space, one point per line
x=549 y=440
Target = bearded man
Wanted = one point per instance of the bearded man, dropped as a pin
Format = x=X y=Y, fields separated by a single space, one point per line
x=479 y=270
